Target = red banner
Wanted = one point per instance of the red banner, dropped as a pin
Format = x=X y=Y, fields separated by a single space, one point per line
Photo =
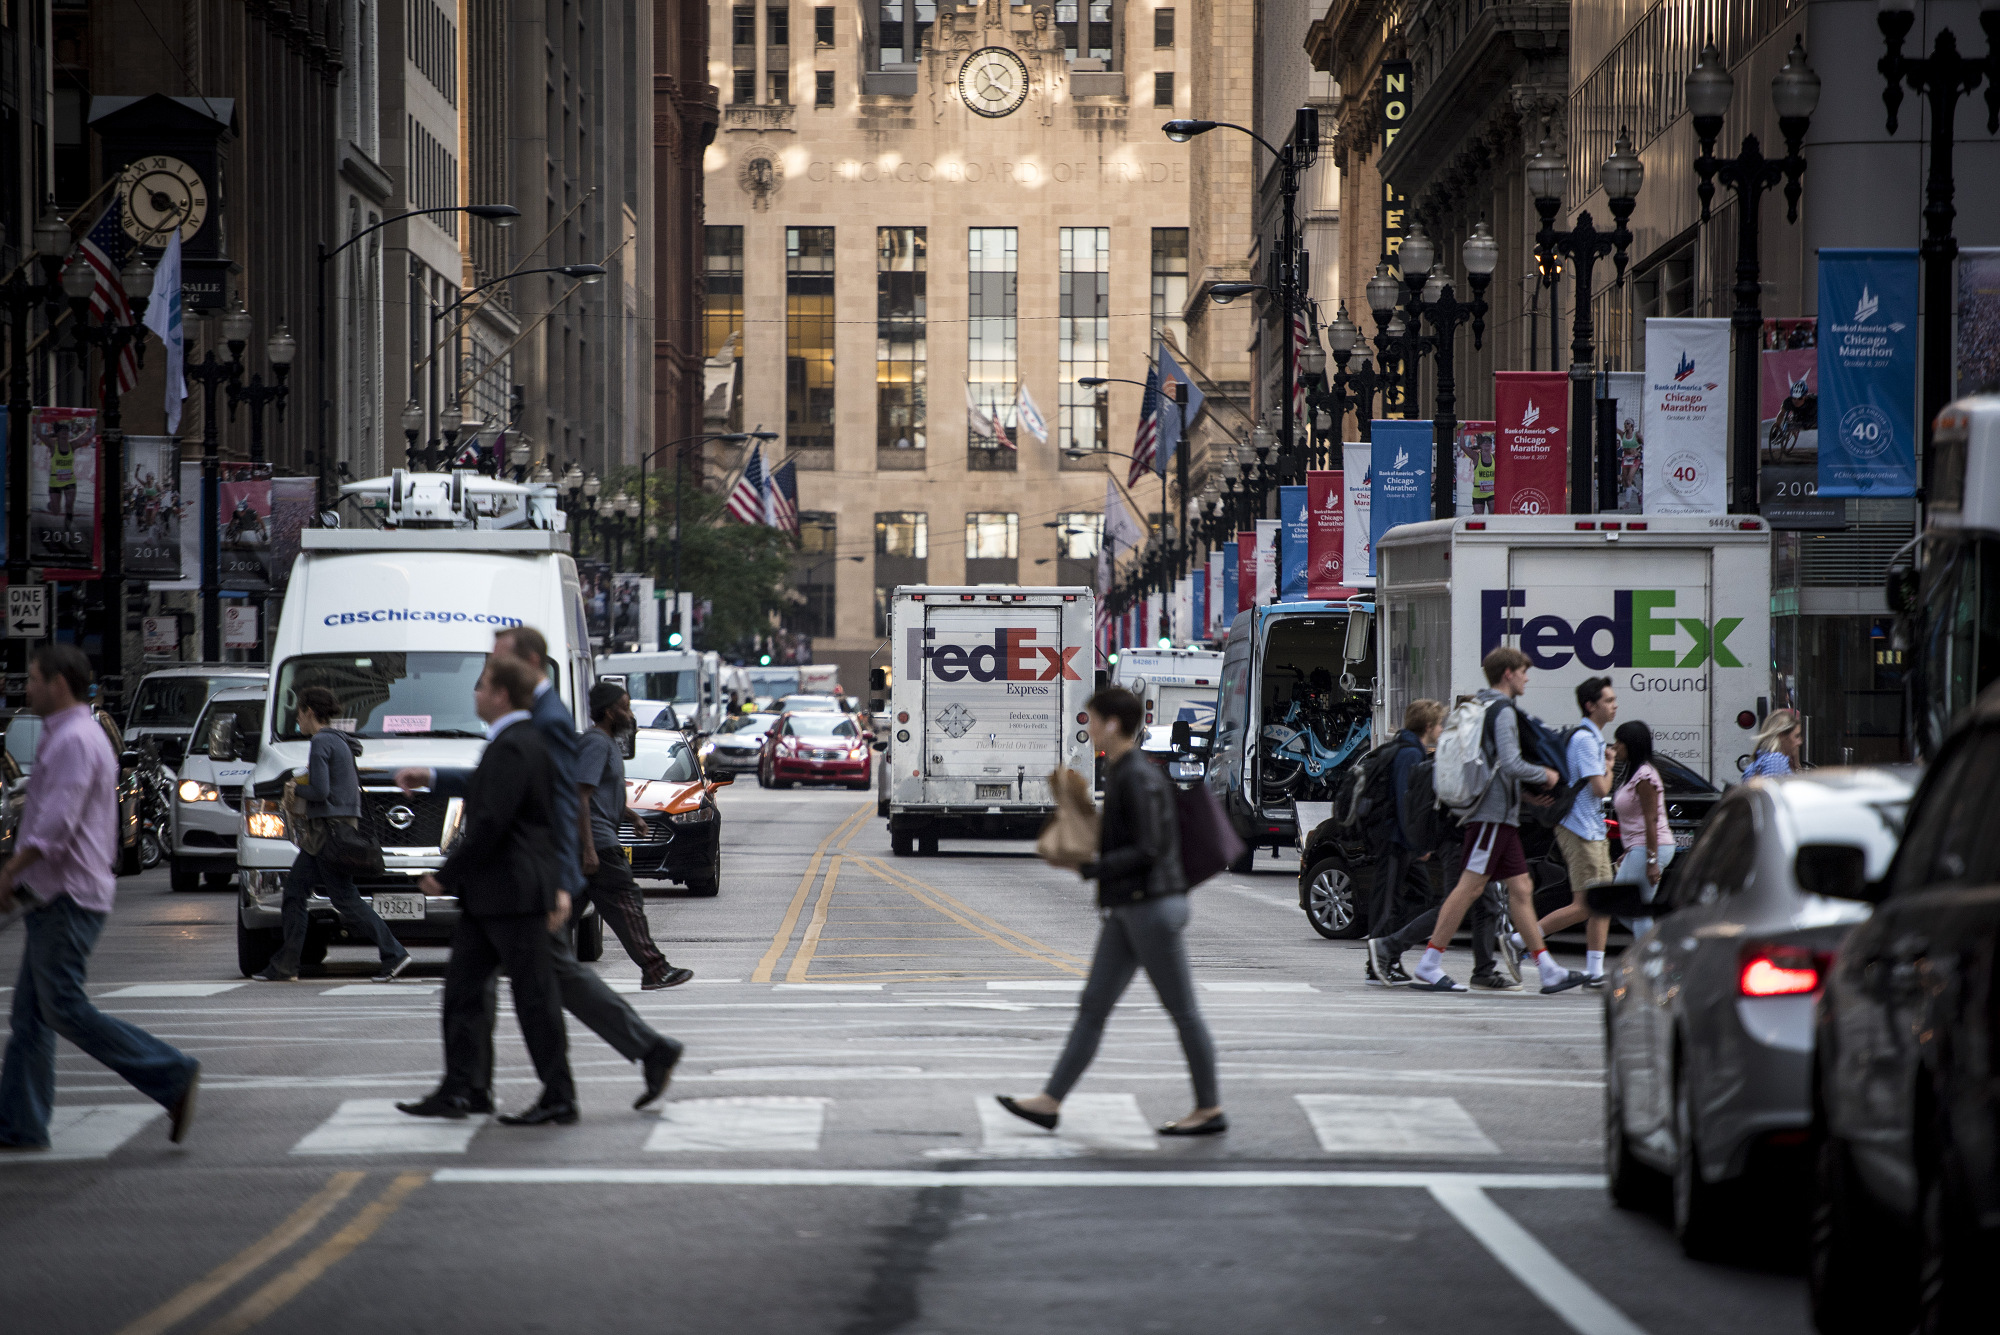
x=1531 y=442
x=1326 y=534
x=1246 y=569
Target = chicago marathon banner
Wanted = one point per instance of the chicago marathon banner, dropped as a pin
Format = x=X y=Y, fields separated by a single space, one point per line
x=1867 y=372
x=1326 y=534
x=1292 y=541
x=1686 y=418
x=1399 y=478
x=1531 y=442
x=1357 y=563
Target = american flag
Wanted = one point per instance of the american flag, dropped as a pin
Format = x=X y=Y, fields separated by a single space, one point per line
x=105 y=249
x=751 y=495
x=784 y=496
x=1301 y=425
x=1147 y=441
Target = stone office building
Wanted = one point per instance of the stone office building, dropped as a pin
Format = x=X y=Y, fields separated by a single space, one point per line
x=915 y=212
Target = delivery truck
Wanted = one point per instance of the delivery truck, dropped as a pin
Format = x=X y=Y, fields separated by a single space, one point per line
x=1675 y=609
x=1176 y=686
x=987 y=701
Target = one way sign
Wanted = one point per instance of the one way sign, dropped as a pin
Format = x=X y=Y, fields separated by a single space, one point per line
x=28 y=612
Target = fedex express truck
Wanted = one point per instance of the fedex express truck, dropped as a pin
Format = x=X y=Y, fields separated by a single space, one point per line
x=987 y=701
x=1674 y=609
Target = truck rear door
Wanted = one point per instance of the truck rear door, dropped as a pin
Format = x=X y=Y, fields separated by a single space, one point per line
x=993 y=697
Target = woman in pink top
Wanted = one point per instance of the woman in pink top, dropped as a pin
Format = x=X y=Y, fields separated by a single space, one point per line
x=1641 y=804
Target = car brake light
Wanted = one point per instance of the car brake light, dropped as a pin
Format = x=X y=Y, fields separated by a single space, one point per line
x=1636 y=528
x=1779 y=971
x=1585 y=526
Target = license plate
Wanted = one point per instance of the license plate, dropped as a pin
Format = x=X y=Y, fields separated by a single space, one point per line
x=1683 y=838
x=987 y=792
x=399 y=907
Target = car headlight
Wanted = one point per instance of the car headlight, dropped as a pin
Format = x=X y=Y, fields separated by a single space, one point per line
x=700 y=815
x=194 y=791
x=264 y=818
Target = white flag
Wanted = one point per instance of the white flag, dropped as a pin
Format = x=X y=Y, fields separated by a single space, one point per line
x=1030 y=415
x=163 y=318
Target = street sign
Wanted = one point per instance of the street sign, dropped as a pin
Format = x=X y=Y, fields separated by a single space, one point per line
x=28 y=612
x=163 y=635
x=239 y=627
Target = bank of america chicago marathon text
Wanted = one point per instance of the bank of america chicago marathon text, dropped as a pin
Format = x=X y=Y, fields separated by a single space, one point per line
x=417 y=614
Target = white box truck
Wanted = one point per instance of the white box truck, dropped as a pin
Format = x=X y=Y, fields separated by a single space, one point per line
x=987 y=701
x=1176 y=686
x=1676 y=610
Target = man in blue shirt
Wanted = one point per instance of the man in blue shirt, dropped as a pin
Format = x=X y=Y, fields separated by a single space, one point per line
x=1582 y=836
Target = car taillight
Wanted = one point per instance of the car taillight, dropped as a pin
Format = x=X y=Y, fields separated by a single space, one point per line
x=1780 y=971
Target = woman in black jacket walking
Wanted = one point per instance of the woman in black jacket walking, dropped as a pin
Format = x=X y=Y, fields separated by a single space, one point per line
x=1142 y=898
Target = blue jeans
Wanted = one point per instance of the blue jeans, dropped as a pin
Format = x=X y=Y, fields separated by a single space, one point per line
x=49 y=1000
x=310 y=876
x=1632 y=871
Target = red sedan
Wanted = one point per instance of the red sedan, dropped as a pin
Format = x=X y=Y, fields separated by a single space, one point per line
x=815 y=747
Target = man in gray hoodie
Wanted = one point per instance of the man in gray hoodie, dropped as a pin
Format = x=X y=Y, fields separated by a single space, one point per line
x=1493 y=835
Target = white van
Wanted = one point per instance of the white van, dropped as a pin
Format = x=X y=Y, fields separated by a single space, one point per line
x=690 y=682
x=1176 y=686
x=168 y=700
x=208 y=797
x=397 y=623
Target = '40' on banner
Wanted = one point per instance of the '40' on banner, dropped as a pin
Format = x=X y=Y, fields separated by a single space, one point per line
x=1867 y=372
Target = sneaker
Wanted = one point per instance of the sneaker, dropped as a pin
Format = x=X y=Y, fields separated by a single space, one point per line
x=1380 y=957
x=671 y=978
x=393 y=970
x=1397 y=978
x=1510 y=955
x=1444 y=983
x=1368 y=974
x=1494 y=981
x=272 y=976
x=1574 y=978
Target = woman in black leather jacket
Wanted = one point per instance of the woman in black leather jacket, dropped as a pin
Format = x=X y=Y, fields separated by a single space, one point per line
x=1142 y=897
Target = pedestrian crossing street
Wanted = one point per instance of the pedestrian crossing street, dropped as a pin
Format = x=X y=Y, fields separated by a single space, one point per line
x=1093 y=1124
x=418 y=987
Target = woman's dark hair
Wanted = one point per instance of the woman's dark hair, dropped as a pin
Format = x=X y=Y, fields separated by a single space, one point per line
x=604 y=697
x=320 y=702
x=1637 y=739
x=1119 y=705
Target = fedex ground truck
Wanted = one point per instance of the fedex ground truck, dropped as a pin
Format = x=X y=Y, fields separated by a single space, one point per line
x=1675 y=609
x=987 y=702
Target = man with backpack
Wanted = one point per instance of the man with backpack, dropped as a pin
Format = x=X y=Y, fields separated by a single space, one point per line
x=1402 y=884
x=1581 y=835
x=1480 y=770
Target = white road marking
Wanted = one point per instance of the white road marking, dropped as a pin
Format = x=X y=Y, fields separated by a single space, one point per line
x=1255 y=985
x=174 y=990
x=994 y=1177
x=409 y=990
x=1039 y=985
x=1393 y=1124
x=88 y=1131
x=760 y=1123
x=826 y=987
x=1090 y=1123
x=373 y=1126
x=1579 y=1306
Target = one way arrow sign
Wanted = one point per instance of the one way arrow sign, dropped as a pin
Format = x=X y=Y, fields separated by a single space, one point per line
x=28 y=612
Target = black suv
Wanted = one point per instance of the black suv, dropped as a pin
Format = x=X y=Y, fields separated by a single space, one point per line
x=1906 y=1068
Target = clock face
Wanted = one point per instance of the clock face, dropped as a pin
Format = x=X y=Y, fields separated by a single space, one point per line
x=161 y=194
x=993 y=81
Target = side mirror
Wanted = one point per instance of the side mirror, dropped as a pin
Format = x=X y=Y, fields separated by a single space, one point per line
x=628 y=743
x=1900 y=589
x=1355 y=648
x=1183 y=735
x=879 y=745
x=878 y=679
x=721 y=781
x=1837 y=871
x=222 y=738
x=129 y=759
x=1619 y=899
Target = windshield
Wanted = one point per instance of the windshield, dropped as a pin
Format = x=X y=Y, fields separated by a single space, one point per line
x=804 y=702
x=386 y=694
x=675 y=686
x=175 y=702
x=674 y=762
x=249 y=716
x=772 y=681
x=750 y=725
x=823 y=725
x=23 y=732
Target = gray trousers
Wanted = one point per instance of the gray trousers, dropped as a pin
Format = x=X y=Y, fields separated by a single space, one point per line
x=1143 y=935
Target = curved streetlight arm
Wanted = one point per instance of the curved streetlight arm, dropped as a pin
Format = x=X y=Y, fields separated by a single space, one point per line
x=1093 y=381
x=708 y=435
x=1231 y=125
x=490 y=213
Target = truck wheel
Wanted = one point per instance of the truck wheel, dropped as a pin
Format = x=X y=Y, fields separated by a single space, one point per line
x=255 y=946
x=185 y=877
x=900 y=844
x=1330 y=902
x=590 y=938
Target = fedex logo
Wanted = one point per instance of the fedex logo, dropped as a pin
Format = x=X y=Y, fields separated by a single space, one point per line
x=1634 y=635
x=1012 y=656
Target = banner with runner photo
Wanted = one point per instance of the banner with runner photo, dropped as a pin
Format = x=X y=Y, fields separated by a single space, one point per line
x=1788 y=430
x=1531 y=443
x=243 y=511
x=1686 y=421
x=152 y=514
x=1625 y=391
x=1978 y=348
x=1472 y=470
x=65 y=494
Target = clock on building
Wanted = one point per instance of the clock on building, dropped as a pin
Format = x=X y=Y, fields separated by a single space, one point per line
x=161 y=194
x=993 y=81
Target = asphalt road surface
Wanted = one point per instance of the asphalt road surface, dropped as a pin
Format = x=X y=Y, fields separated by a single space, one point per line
x=830 y=1158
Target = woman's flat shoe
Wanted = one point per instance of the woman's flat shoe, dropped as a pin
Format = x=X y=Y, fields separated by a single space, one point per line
x=1213 y=1126
x=1046 y=1121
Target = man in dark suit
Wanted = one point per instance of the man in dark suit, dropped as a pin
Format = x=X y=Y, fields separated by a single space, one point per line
x=506 y=872
x=584 y=994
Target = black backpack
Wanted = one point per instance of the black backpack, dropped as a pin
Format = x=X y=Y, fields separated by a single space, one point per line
x=1423 y=823
x=1542 y=745
x=1369 y=800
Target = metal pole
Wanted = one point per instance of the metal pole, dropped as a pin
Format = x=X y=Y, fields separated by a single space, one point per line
x=325 y=405
x=1581 y=355
x=1746 y=323
x=1288 y=299
x=20 y=404
x=111 y=447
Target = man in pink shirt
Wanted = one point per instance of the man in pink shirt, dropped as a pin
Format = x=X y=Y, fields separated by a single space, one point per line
x=64 y=853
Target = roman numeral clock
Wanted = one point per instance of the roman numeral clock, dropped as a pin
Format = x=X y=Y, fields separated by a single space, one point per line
x=168 y=157
x=993 y=81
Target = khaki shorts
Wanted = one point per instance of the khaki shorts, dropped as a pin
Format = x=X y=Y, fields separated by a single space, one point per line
x=1589 y=860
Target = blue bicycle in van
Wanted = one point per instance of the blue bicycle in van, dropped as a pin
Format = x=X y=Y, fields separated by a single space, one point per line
x=1293 y=749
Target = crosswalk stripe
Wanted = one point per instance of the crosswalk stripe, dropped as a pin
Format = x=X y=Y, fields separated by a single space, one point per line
x=1393 y=1125
x=1255 y=985
x=1091 y=1123
x=89 y=1131
x=174 y=990
x=373 y=1126
x=382 y=990
x=751 y=1123
x=1070 y=985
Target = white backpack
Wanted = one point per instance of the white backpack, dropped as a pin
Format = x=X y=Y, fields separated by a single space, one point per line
x=1461 y=772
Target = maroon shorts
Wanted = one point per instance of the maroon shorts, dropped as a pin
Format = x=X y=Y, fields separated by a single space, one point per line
x=1495 y=850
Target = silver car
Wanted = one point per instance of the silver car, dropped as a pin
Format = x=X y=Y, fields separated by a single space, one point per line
x=1709 y=1015
x=736 y=746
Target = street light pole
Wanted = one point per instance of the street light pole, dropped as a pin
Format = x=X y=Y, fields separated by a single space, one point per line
x=1794 y=94
x=22 y=295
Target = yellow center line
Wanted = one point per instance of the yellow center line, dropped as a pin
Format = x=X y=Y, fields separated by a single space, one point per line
x=783 y=937
x=803 y=960
x=319 y=1260
x=974 y=921
x=246 y=1262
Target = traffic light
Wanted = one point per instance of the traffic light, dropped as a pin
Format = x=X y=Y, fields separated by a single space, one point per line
x=763 y=660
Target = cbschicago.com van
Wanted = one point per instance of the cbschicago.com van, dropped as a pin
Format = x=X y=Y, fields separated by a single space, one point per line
x=416 y=614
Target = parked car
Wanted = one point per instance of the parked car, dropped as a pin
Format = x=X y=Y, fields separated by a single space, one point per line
x=208 y=799
x=1906 y=1067
x=168 y=701
x=738 y=746
x=816 y=747
x=682 y=840
x=1709 y=1015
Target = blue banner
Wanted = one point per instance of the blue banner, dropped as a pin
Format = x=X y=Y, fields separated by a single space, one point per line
x=1229 y=588
x=1292 y=544
x=1199 y=630
x=1867 y=372
x=1399 y=478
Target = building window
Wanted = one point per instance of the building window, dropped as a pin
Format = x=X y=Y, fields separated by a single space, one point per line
x=822 y=88
x=1163 y=27
x=903 y=533
x=1079 y=535
x=903 y=23
x=992 y=536
x=823 y=26
x=816 y=568
x=745 y=89
x=780 y=88
x=722 y=315
x=778 y=26
x=1088 y=20
x=899 y=337
x=1163 y=88
x=743 y=26
x=809 y=337
x=1170 y=280
x=1083 y=336
x=992 y=327
x=1665 y=289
